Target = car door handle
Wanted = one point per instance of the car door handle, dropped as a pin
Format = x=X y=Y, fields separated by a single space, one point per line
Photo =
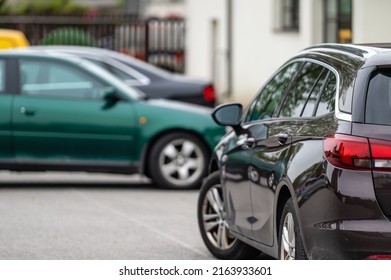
x=282 y=138
x=27 y=111
x=248 y=143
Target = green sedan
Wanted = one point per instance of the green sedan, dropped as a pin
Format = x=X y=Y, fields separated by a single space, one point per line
x=60 y=112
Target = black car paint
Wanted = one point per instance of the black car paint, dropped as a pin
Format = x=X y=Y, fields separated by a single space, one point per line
x=338 y=210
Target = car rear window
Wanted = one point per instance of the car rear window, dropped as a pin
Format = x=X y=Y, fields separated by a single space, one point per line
x=378 y=107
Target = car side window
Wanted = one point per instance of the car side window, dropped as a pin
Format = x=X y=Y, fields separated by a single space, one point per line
x=122 y=75
x=306 y=87
x=49 y=78
x=327 y=100
x=264 y=105
x=2 y=76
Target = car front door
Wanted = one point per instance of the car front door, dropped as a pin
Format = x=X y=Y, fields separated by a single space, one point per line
x=61 y=117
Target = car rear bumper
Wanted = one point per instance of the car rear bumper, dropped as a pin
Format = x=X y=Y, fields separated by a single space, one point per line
x=350 y=240
x=341 y=218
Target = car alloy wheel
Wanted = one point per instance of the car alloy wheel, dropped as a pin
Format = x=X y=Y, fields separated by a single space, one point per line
x=291 y=245
x=178 y=160
x=214 y=219
x=181 y=161
x=212 y=222
x=288 y=239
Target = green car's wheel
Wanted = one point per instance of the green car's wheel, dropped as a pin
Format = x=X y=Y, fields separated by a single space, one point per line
x=179 y=161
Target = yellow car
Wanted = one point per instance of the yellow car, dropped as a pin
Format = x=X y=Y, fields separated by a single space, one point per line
x=12 y=38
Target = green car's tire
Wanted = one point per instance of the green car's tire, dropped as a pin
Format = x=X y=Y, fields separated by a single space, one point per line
x=178 y=161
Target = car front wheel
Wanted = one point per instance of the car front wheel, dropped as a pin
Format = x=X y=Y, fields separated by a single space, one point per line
x=178 y=161
x=213 y=225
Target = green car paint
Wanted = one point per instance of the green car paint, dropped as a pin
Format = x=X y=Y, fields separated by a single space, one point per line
x=112 y=131
x=160 y=113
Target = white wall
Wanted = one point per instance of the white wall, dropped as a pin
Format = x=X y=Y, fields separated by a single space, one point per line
x=371 y=21
x=165 y=9
x=200 y=53
x=258 y=48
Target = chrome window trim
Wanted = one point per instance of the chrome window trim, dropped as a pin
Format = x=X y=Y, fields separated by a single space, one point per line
x=338 y=113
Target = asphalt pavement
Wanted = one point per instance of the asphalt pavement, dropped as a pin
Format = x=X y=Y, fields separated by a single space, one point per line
x=95 y=216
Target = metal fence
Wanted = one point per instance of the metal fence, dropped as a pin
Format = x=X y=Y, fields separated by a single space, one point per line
x=158 y=41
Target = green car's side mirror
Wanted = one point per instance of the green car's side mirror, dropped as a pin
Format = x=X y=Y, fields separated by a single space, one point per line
x=110 y=95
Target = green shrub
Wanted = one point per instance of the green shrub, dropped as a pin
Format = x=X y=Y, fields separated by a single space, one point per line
x=68 y=36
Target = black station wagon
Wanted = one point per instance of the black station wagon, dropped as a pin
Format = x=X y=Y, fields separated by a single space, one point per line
x=306 y=171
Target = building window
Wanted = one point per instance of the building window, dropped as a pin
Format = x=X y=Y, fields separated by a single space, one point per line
x=286 y=15
x=338 y=21
x=290 y=15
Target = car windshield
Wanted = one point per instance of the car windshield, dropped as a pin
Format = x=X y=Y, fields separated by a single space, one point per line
x=132 y=92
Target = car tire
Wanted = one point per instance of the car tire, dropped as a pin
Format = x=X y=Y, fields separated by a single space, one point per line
x=290 y=241
x=178 y=161
x=213 y=226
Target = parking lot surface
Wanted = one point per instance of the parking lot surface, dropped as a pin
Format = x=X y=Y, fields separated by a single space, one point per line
x=94 y=216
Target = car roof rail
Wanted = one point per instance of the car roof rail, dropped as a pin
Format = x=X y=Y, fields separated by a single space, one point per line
x=358 y=50
x=377 y=45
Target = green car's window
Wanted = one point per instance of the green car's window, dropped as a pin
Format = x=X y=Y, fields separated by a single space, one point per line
x=49 y=78
x=307 y=84
x=2 y=76
x=121 y=74
x=115 y=71
x=263 y=107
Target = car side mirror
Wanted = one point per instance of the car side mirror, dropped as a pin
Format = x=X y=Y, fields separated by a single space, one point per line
x=228 y=115
x=110 y=95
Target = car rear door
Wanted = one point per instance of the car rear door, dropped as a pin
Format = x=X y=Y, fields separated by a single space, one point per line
x=60 y=117
x=238 y=170
x=271 y=156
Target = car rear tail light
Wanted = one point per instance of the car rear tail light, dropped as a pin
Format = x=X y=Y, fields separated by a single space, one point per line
x=209 y=93
x=379 y=257
x=352 y=152
x=381 y=153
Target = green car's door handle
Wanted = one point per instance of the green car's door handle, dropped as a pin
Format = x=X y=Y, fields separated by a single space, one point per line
x=27 y=111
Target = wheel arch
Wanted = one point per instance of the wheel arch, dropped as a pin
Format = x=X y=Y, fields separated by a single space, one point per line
x=283 y=196
x=213 y=164
x=144 y=169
